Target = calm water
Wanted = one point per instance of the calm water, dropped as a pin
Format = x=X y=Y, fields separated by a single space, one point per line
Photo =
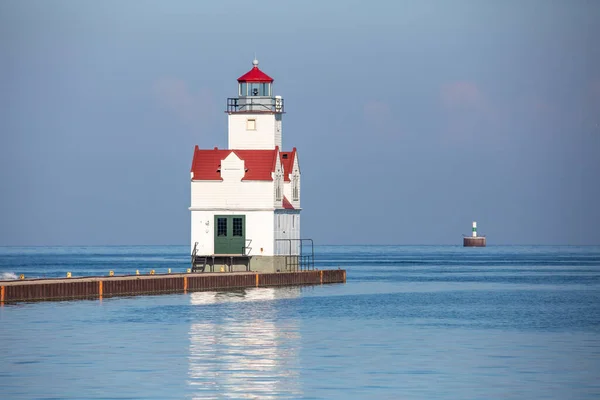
x=411 y=323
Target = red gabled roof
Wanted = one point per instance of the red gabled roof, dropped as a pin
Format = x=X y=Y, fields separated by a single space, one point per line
x=259 y=164
x=255 y=75
x=207 y=163
x=287 y=205
x=288 y=163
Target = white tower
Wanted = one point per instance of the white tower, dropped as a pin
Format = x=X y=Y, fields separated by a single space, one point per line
x=255 y=115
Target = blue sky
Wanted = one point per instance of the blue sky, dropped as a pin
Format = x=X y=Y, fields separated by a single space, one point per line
x=411 y=118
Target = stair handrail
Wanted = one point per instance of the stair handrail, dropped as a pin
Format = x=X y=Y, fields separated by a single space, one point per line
x=194 y=253
x=247 y=247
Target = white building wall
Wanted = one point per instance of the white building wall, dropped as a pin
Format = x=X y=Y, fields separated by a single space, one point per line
x=229 y=195
x=258 y=230
x=278 y=131
x=232 y=192
x=265 y=136
x=287 y=226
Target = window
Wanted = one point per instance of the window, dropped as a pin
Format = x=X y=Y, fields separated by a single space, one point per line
x=222 y=227
x=265 y=89
x=255 y=89
x=237 y=227
x=251 y=124
x=278 y=192
x=278 y=188
x=295 y=189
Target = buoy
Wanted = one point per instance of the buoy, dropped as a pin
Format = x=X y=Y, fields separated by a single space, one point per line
x=111 y=273
x=137 y=271
x=152 y=272
x=68 y=274
x=22 y=276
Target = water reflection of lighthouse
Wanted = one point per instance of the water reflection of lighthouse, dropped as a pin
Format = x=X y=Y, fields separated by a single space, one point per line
x=240 y=347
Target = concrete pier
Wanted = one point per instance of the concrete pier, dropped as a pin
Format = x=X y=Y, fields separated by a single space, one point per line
x=128 y=285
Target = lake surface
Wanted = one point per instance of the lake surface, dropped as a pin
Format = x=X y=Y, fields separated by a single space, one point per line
x=412 y=322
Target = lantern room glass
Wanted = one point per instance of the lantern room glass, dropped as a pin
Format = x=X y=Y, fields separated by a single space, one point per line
x=258 y=89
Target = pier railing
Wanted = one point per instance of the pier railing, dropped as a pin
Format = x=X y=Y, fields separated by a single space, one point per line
x=300 y=254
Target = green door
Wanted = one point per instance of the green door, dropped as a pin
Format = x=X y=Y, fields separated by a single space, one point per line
x=230 y=234
x=222 y=227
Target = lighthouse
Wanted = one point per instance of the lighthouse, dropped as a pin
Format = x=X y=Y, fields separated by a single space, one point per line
x=245 y=200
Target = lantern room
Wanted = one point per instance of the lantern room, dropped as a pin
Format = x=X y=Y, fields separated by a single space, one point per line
x=255 y=93
x=255 y=83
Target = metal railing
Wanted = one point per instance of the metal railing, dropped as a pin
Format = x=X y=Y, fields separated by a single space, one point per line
x=301 y=256
x=247 y=249
x=255 y=104
x=194 y=252
x=198 y=262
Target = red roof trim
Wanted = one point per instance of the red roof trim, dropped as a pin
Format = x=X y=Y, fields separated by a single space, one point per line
x=287 y=205
x=255 y=75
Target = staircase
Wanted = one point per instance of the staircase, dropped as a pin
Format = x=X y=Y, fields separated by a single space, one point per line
x=198 y=262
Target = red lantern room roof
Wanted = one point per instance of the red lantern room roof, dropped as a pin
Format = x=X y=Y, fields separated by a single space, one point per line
x=255 y=75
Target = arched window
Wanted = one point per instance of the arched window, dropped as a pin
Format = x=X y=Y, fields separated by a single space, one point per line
x=278 y=187
x=295 y=189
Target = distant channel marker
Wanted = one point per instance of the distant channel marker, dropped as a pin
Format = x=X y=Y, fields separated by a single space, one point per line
x=474 y=240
